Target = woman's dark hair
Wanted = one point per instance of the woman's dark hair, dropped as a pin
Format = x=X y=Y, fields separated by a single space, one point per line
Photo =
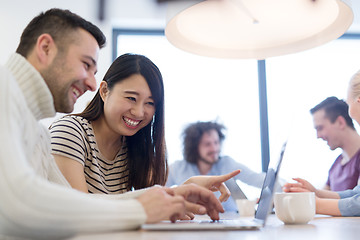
x=146 y=149
x=192 y=136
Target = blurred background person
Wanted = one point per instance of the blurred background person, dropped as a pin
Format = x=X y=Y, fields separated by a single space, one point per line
x=202 y=143
x=334 y=125
x=336 y=203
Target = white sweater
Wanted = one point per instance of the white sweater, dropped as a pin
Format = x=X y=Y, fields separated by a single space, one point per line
x=30 y=205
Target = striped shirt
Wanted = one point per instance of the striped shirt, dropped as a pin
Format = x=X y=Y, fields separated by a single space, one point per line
x=73 y=137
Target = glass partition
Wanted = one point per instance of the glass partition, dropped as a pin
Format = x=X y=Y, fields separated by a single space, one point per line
x=203 y=89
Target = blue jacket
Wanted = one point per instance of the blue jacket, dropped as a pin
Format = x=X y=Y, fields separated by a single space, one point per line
x=349 y=204
x=181 y=170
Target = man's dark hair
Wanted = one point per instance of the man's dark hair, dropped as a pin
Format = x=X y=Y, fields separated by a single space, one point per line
x=60 y=24
x=334 y=108
x=192 y=136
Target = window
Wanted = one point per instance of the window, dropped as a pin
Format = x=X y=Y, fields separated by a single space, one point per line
x=201 y=89
x=296 y=83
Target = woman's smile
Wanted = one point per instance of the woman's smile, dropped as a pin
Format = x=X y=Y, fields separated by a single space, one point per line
x=131 y=123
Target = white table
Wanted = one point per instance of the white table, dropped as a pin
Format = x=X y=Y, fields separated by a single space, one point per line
x=321 y=227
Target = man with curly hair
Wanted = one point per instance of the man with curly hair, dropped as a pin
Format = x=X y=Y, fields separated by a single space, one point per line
x=201 y=149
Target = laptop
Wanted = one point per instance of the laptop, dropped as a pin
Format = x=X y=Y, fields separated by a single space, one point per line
x=263 y=210
x=235 y=190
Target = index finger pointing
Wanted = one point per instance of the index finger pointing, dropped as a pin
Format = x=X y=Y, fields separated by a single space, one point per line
x=225 y=177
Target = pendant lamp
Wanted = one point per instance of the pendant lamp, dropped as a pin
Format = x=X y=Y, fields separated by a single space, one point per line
x=255 y=29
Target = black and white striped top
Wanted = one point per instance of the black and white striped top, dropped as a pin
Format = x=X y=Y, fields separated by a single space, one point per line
x=73 y=137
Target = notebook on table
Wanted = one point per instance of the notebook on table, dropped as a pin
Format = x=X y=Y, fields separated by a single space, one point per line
x=263 y=210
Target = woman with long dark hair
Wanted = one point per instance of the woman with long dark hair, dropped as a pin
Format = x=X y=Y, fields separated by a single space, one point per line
x=117 y=143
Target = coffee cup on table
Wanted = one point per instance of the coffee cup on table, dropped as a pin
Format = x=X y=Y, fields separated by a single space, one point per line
x=246 y=208
x=295 y=208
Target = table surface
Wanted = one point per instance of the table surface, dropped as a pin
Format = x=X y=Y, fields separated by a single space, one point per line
x=321 y=227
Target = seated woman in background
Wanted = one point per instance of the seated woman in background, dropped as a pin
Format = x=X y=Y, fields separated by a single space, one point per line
x=343 y=203
x=117 y=143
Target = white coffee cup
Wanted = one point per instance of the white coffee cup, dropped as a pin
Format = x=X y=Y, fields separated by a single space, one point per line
x=295 y=208
x=246 y=207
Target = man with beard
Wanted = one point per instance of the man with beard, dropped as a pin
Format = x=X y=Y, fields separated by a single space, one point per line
x=201 y=149
x=334 y=125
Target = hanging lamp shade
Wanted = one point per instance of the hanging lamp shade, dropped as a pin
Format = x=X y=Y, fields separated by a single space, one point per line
x=255 y=29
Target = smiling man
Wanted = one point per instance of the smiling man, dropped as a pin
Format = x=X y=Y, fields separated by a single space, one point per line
x=334 y=125
x=55 y=64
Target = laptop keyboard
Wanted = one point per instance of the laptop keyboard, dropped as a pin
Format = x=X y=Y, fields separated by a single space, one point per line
x=243 y=222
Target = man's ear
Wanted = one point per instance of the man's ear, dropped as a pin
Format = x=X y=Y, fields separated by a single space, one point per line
x=103 y=90
x=45 y=49
x=341 y=120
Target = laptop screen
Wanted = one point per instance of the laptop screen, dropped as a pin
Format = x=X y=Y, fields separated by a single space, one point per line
x=267 y=191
